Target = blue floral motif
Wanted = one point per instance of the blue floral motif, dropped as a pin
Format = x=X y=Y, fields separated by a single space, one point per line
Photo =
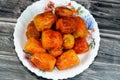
x=89 y=21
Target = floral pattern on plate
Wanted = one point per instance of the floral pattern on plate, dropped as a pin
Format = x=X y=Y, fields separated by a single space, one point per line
x=44 y=5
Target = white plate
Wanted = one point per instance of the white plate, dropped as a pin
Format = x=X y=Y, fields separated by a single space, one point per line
x=39 y=7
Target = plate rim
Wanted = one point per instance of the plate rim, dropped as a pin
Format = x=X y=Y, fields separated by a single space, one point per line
x=37 y=73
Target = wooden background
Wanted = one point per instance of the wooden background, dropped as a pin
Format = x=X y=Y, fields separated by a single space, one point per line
x=106 y=65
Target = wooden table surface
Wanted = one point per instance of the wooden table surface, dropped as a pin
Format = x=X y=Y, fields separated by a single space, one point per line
x=106 y=65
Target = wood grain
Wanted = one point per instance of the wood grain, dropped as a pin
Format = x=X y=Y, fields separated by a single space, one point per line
x=107 y=63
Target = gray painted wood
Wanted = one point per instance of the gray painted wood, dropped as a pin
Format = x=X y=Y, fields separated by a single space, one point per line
x=107 y=63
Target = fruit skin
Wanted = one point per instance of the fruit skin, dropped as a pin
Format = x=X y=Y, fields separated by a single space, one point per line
x=63 y=11
x=81 y=45
x=44 y=20
x=51 y=40
x=68 y=41
x=66 y=25
x=32 y=31
x=43 y=61
x=81 y=28
x=67 y=60
x=33 y=46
